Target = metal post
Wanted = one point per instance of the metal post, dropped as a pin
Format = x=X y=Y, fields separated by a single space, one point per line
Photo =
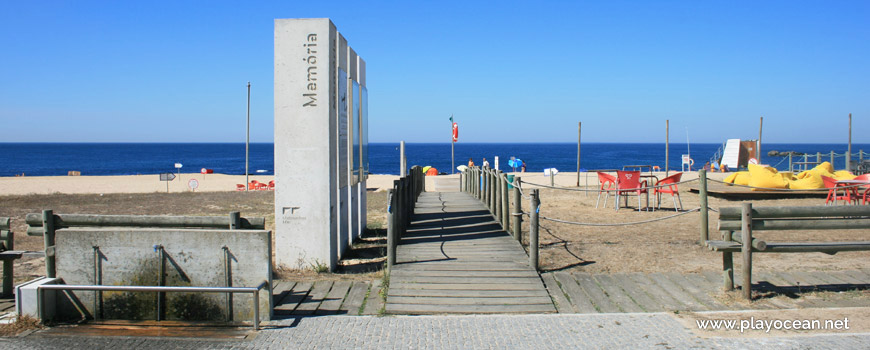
x=505 y=203
x=579 y=124
x=391 y=229
x=518 y=210
x=702 y=195
x=746 y=249
x=849 y=149
x=552 y=178
x=452 y=156
x=98 y=280
x=534 y=208
x=256 y=297
x=228 y=280
x=819 y=157
x=790 y=166
x=161 y=281
x=48 y=237
x=832 y=158
x=758 y=146
x=667 y=146
x=248 y=138
x=402 y=164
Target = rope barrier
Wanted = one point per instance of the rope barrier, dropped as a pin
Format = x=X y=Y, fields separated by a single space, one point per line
x=624 y=223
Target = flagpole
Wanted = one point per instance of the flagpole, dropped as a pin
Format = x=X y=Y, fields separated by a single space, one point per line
x=452 y=143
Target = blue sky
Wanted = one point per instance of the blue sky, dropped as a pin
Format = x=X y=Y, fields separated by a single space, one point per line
x=175 y=71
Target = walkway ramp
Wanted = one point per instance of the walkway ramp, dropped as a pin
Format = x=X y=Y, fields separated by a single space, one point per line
x=456 y=259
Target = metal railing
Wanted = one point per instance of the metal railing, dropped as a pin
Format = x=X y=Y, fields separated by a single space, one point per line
x=253 y=290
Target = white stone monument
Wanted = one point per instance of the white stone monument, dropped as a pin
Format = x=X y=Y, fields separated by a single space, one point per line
x=321 y=143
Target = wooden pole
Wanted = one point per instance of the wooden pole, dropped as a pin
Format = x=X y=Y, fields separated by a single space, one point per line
x=758 y=145
x=534 y=207
x=402 y=165
x=849 y=149
x=578 y=153
x=497 y=204
x=746 y=250
x=518 y=210
x=727 y=265
x=667 y=145
x=702 y=195
x=505 y=204
x=391 y=229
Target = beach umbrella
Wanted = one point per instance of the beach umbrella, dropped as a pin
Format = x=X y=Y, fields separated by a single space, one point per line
x=462 y=168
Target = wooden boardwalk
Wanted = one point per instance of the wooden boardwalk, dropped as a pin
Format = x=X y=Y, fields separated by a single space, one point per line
x=294 y=299
x=455 y=259
x=671 y=291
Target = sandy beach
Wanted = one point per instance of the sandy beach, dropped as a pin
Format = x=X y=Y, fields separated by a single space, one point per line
x=221 y=182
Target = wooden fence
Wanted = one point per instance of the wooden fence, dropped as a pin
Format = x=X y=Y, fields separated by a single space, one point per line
x=401 y=200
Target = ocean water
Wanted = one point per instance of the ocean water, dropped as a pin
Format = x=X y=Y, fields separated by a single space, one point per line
x=45 y=159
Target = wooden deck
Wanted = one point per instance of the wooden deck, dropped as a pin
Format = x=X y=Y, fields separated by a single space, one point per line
x=455 y=259
x=657 y=292
x=294 y=299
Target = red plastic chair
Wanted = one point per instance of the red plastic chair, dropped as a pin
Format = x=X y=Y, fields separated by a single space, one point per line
x=254 y=185
x=865 y=197
x=272 y=185
x=606 y=184
x=240 y=187
x=671 y=182
x=628 y=182
x=849 y=194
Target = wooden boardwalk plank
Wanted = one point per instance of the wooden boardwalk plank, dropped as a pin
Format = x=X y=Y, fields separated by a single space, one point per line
x=281 y=290
x=355 y=298
x=677 y=292
x=455 y=258
x=616 y=294
x=291 y=301
x=414 y=309
x=697 y=292
x=468 y=301
x=466 y=280
x=428 y=273
x=374 y=301
x=466 y=286
x=465 y=293
x=667 y=302
x=332 y=302
x=578 y=298
x=601 y=301
x=637 y=294
x=314 y=298
x=563 y=306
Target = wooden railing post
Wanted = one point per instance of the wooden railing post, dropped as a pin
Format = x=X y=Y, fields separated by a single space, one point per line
x=746 y=249
x=505 y=204
x=391 y=228
x=702 y=194
x=534 y=207
x=48 y=236
x=498 y=201
x=518 y=210
x=8 y=241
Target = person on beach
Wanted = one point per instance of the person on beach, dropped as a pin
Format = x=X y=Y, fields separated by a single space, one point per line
x=485 y=163
x=470 y=163
x=523 y=168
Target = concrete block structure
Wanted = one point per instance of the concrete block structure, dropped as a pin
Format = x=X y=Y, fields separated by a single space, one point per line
x=321 y=143
x=189 y=257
